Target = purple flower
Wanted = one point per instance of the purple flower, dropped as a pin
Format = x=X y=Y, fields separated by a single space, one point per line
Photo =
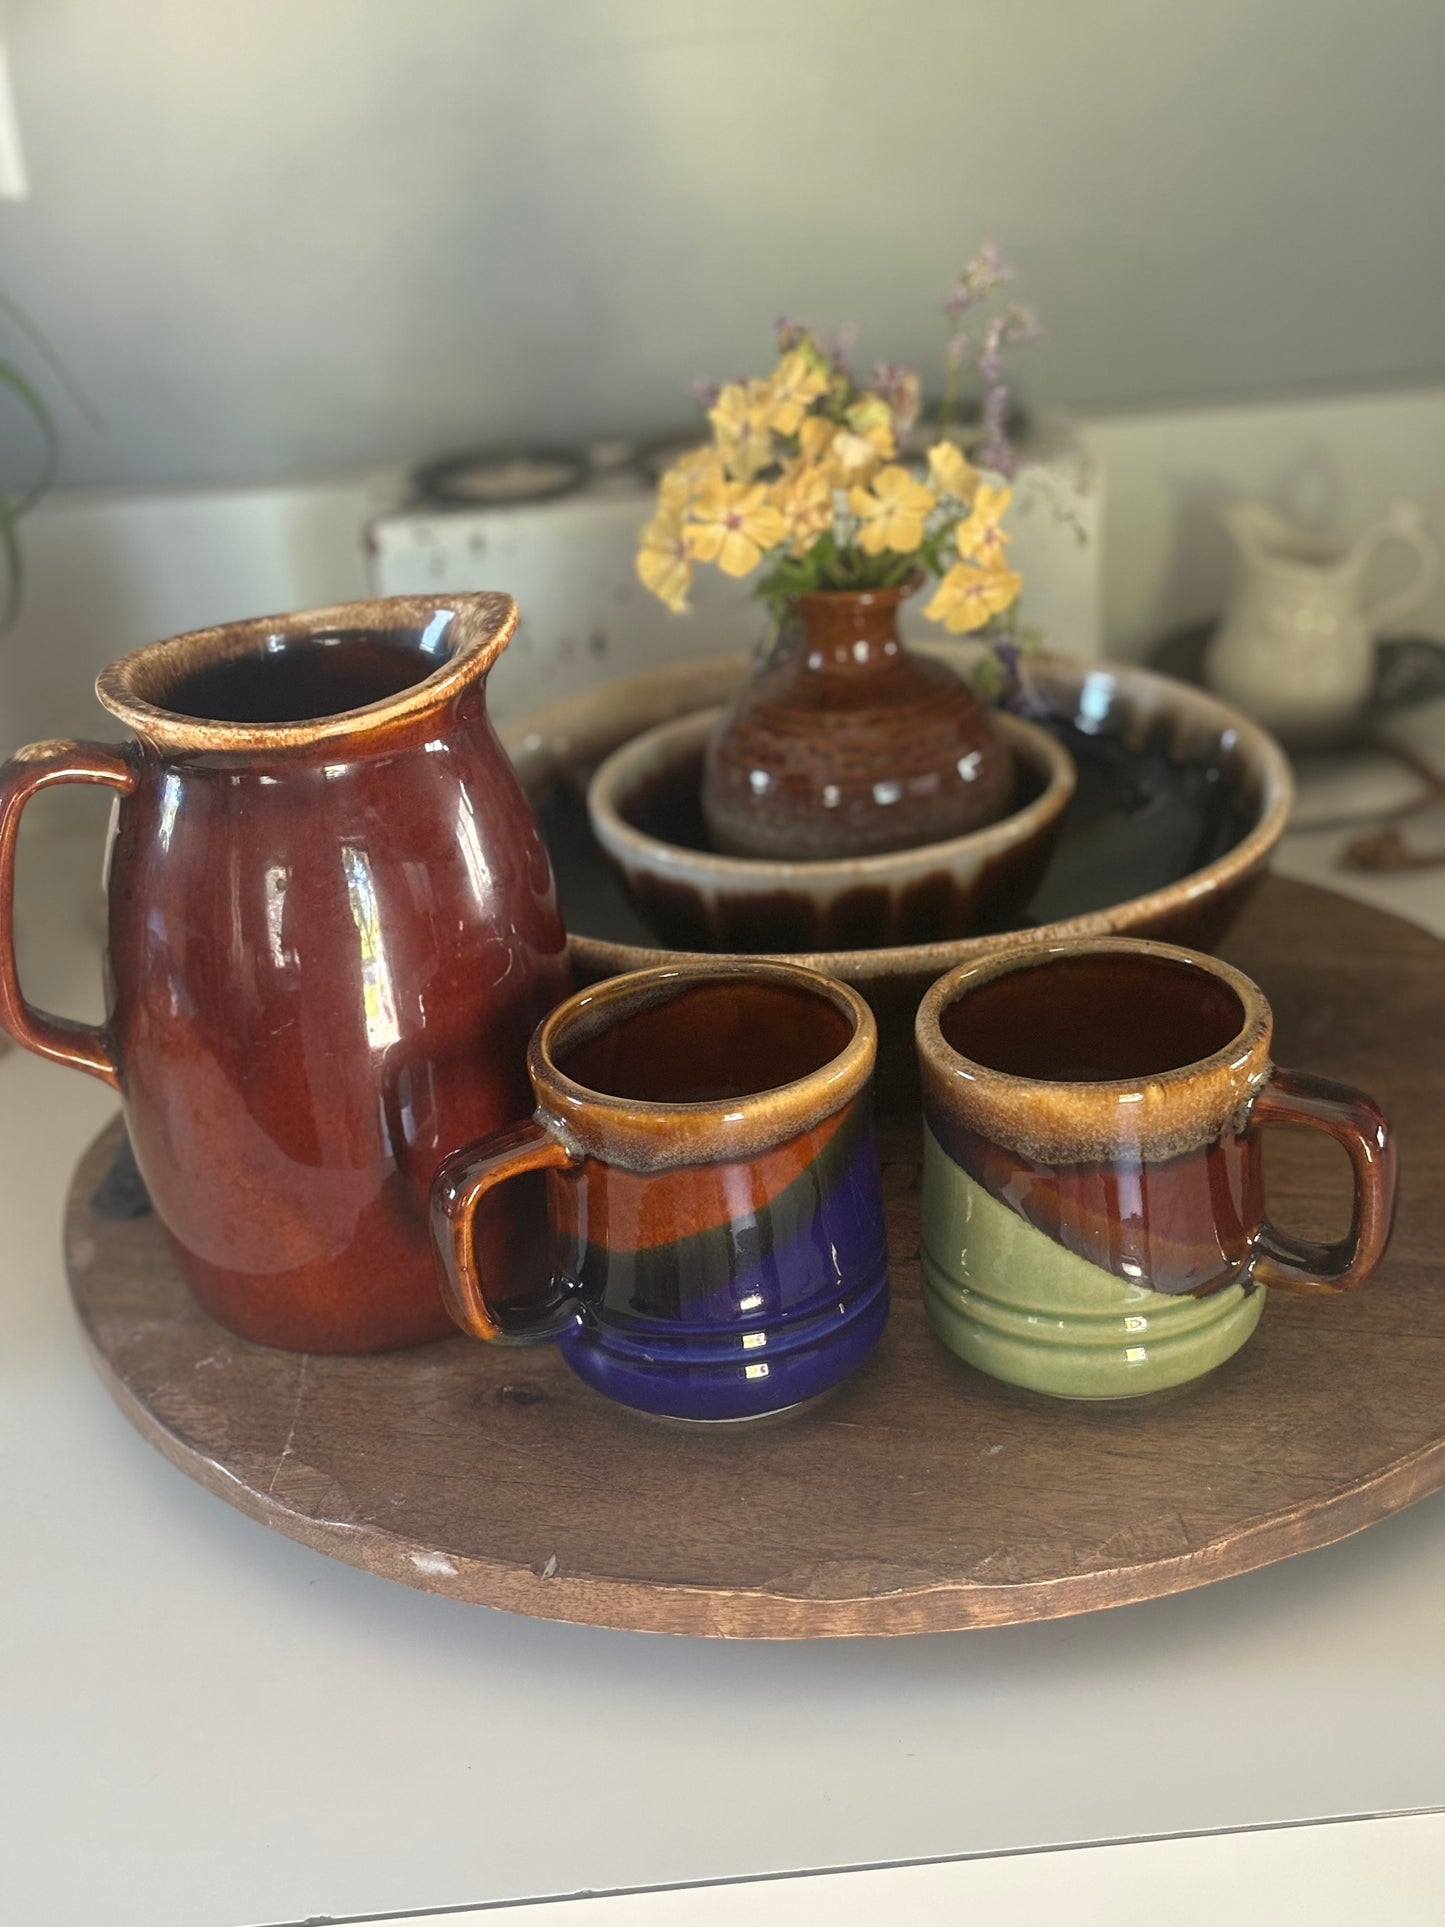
x=989 y=365
x=981 y=276
x=790 y=332
x=996 y=451
x=899 y=388
x=703 y=391
x=1020 y=327
x=1014 y=328
x=840 y=345
x=986 y=271
x=1018 y=693
x=1026 y=701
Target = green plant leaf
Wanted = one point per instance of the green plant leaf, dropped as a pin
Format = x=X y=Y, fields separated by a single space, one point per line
x=13 y=564
x=53 y=359
x=13 y=507
x=11 y=378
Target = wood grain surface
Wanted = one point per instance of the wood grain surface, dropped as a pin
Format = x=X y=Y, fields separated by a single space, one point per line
x=922 y=1496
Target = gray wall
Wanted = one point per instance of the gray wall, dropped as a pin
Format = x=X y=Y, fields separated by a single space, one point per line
x=281 y=236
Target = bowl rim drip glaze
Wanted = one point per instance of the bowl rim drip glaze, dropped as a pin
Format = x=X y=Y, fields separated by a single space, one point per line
x=622 y=839
x=561 y=737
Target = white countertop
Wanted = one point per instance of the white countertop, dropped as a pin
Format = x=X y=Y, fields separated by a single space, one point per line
x=203 y=1724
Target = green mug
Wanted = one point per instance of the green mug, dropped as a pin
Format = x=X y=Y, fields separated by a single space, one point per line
x=1093 y=1198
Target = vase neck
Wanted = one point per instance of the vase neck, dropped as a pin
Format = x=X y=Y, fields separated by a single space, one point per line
x=850 y=633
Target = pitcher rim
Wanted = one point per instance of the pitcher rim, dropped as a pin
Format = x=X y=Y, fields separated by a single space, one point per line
x=485 y=621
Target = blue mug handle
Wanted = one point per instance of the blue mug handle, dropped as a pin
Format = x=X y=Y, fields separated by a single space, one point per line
x=461 y=1182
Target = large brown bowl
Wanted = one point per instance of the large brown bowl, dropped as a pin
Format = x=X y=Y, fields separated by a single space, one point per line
x=1181 y=801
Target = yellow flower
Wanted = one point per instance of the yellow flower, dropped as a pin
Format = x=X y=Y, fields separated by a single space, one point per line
x=739 y=419
x=840 y=454
x=731 y=524
x=966 y=597
x=980 y=539
x=851 y=458
x=664 y=562
x=804 y=499
x=796 y=382
x=815 y=437
x=688 y=474
x=951 y=472
x=872 y=420
x=892 y=516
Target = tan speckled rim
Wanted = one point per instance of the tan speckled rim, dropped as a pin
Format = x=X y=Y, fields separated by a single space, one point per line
x=1061 y=1122
x=652 y=1137
x=477 y=629
x=709 y=871
x=548 y=743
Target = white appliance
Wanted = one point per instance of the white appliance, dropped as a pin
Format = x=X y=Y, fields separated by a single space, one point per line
x=586 y=619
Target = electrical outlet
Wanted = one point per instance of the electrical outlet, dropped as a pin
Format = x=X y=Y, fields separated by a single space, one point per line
x=14 y=185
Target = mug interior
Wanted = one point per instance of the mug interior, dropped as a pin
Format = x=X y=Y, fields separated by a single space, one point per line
x=704 y=1043
x=299 y=679
x=1095 y=1019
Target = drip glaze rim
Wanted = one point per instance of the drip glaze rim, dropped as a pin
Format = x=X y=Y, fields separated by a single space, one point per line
x=631 y=762
x=1065 y=1120
x=645 y=1134
x=479 y=628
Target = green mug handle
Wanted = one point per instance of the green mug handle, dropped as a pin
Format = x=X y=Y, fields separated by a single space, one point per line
x=1287 y=1263
x=461 y=1182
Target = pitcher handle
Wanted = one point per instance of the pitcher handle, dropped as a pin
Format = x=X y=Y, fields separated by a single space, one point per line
x=1403 y=524
x=85 y=1046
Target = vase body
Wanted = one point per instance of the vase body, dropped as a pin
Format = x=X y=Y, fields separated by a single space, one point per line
x=1296 y=648
x=852 y=746
x=332 y=928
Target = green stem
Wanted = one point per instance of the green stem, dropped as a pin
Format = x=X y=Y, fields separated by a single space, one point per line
x=53 y=359
x=13 y=568
x=11 y=378
x=950 y=395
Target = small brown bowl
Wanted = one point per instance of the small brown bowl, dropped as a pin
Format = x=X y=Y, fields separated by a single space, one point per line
x=645 y=811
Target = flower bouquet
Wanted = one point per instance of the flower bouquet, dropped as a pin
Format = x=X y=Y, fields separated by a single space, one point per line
x=850 y=745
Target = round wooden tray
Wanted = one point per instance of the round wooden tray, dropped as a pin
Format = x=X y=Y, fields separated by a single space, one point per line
x=921 y=1497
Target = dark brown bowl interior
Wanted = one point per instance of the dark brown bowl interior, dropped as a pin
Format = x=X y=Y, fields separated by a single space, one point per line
x=1179 y=804
x=1148 y=811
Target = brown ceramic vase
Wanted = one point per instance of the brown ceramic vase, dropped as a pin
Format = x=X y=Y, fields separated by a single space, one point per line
x=852 y=746
x=332 y=928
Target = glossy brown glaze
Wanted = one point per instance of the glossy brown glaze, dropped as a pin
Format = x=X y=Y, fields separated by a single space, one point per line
x=715 y=1039
x=713 y=1191
x=923 y=1497
x=1113 y=1095
x=1186 y=1224
x=332 y=928
x=852 y=745
x=645 y=805
x=1095 y=1017
x=1179 y=805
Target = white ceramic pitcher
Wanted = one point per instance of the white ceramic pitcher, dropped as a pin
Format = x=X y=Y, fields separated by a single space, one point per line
x=1296 y=648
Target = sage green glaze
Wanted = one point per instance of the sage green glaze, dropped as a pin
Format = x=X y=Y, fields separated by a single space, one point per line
x=1009 y=1300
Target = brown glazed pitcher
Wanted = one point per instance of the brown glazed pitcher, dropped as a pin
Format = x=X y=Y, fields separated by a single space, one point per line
x=333 y=928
